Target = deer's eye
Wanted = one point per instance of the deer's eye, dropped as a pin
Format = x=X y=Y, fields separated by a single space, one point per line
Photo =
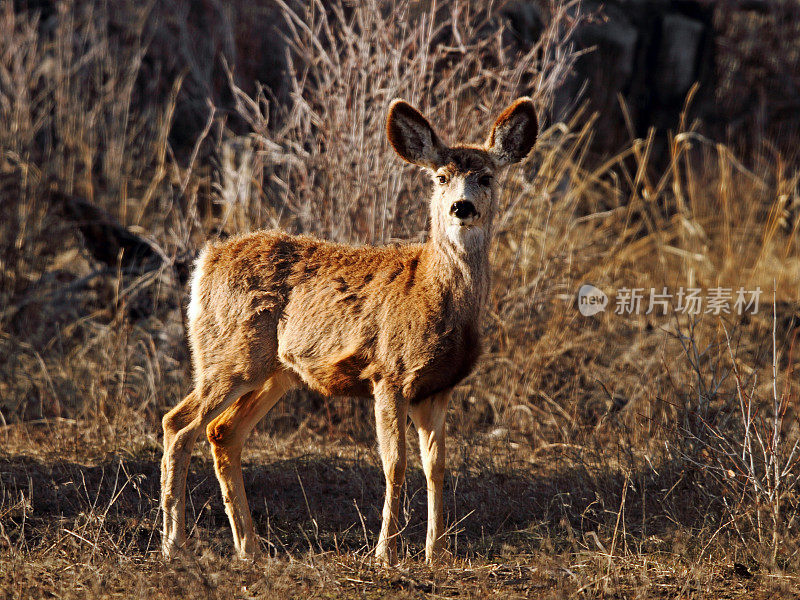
x=485 y=180
x=442 y=179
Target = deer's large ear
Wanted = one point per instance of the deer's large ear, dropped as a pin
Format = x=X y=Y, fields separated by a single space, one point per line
x=514 y=133
x=412 y=137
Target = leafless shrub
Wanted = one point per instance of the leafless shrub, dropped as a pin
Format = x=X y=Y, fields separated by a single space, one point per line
x=746 y=444
x=326 y=159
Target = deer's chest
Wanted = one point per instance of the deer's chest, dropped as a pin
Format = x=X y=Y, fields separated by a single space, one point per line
x=440 y=360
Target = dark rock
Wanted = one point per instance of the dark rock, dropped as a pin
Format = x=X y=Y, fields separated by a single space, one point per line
x=681 y=39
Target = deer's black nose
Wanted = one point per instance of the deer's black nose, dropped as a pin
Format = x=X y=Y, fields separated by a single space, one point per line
x=463 y=209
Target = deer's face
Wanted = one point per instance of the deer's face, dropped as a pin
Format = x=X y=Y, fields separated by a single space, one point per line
x=463 y=201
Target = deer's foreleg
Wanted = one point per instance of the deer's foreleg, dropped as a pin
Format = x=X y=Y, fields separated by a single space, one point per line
x=390 y=418
x=429 y=418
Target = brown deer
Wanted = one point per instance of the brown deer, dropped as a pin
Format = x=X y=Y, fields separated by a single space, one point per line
x=270 y=311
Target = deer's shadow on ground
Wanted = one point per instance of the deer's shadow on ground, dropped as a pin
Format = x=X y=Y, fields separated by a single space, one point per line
x=329 y=503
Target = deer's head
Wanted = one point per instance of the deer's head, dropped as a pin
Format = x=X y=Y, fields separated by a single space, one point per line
x=464 y=175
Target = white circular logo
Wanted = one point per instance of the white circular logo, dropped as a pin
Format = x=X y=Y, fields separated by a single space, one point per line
x=591 y=300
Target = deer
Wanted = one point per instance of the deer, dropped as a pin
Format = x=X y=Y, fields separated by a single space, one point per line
x=399 y=324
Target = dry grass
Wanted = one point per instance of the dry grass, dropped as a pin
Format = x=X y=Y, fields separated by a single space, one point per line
x=605 y=456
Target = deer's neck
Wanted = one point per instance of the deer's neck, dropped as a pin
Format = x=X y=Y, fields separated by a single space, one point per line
x=460 y=265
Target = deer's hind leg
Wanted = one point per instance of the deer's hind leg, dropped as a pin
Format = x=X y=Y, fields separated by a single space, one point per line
x=227 y=434
x=182 y=425
x=174 y=466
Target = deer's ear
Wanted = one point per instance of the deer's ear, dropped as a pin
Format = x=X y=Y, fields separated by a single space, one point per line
x=514 y=133
x=412 y=137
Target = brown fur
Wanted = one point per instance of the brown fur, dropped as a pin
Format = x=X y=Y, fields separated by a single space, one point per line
x=400 y=323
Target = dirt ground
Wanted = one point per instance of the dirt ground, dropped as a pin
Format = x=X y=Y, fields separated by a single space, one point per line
x=79 y=522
